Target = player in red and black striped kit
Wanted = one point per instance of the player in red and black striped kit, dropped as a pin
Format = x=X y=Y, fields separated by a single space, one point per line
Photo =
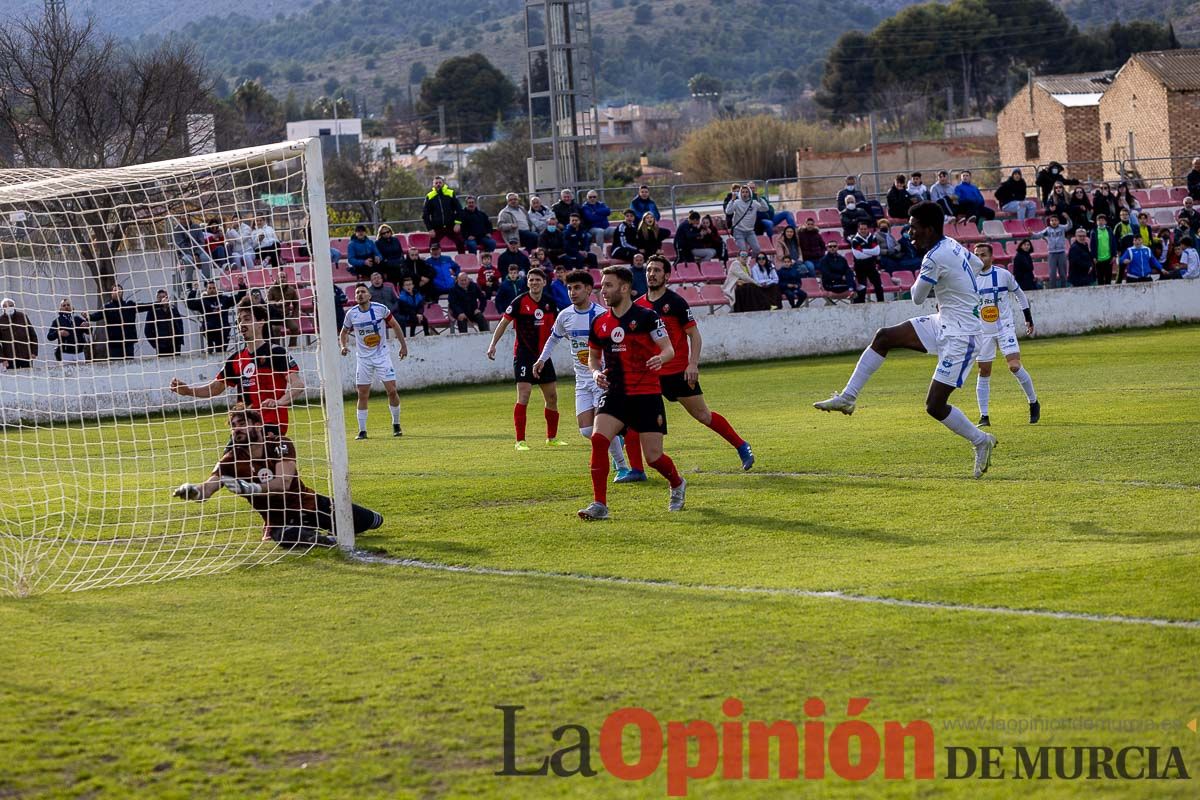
x=680 y=379
x=532 y=316
x=633 y=344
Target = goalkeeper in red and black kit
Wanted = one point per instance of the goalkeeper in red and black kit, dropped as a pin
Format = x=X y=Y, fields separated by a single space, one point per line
x=261 y=467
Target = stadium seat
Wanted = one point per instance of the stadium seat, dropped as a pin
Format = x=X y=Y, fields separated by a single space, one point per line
x=1142 y=196
x=669 y=224
x=686 y=273
x=436 y=316
x=1015 y=227
x=995 y=229
x=889 y=284
x=904 y=278
x=289 y=252
x=419 y=240
x=1177 y=194
x=829 y=218
x=1159 y=196
x=1163 y=217
x=490 y=313
x=596 y=275
x=259 y=278
x=833 y=236
x=966 y=232
x=1040 y=248
x=713 y=271
x=1041 y=270
x=668 y=249
x=1035 y=224
x=764 y=243
x=713 y=296
x=307 y=303
x=340 y=243
x=692 y=295
x=812 y=287
x=342 y=273
x=467 y=261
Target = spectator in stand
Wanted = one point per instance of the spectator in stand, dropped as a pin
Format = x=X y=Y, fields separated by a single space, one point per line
x=214 y=243
x=899 y=201
x=238 y=244
x=1104 y=201
x=391 y=253
x=1022 y=267
x=415 y=267
x=488 y=277
x=1055 y=235
x=711 y=243
x=72 y=333
x=891 y=254
x=511 y=286
x=850 y=190
x=638 y=267
x=942 y=193
x=339 y=306
x=266 y=243
x=1012 y=196
x=970 y=199
x=812 y=247
x=740 y=288
x=18 y=340
x=766 y=221
x=1189 y=261
x=917 y=190
x=1050 y=175
x=410 y=308
x=514 y=223
x=787 y=243
x=362 y=254
x=1104 y=250
x=512 y=255
x=444 y=271
x=1080 y=266
x=1079 y=209
x=1126 y=200
x=476 y=228
x=735 y=191
x=119 y=318
x=551 y=241
x=164 y=326
x=1142 y=230
x=565 y=207
x=577 y=244
x=1193 y=179
x=852 y=216
x=649 y=236
x=213 y=309
x=188 y=238
x=790 y=284
x=557 y=288
x=442 y=215
x=1059 y=205
x=595 y=217
x=1174 y=255
x=686 y=238
x=1190 y=211
x=864 y=249
x=625 y=238
x=539 y=215
x=643 y=204
x=467 y=304
x=765 y=275
x=381 y=292
x=836 y=276
x=1139 y=262
x=283 y=309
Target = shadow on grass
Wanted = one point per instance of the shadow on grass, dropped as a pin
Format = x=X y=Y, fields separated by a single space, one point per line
x=1094 y=532
x=775 y=525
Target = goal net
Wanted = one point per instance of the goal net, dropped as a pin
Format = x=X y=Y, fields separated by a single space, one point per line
x=130 y=302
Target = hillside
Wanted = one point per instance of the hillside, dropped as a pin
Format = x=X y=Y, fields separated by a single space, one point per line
x=134 y=18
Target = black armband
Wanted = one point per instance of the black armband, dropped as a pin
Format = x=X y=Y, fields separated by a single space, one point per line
x=1028 y=316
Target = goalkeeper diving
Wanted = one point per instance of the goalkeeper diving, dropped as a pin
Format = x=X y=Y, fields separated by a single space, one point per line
x=260 y=465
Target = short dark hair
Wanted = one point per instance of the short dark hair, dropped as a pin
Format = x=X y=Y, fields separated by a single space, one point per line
x=358 y=228
x=622 y=273
x=629 y=211
x=580 y=276
x=916 y=175
x=693 y=215
x=985 y=246
x=899 y=178
x=929 y=214
x=538 y=271
x=662 y=261
x=361 y=285
x=1187 y=241
x=1102 y=217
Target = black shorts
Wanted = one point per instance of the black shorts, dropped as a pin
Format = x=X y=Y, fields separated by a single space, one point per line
x=676 y=386
x=643 y=413
x=523 y=370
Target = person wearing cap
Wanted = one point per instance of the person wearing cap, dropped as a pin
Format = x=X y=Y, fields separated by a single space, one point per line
x=445 y=270
x=595 y=216
x=363 y=254
x=18 y=340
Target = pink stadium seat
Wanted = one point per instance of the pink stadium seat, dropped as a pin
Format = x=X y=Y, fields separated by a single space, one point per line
x=669 y=224
x=1014 y=227
x=812 y=288
x=467 y=261
x=348 y=288
x=829 y=218
x=436 y=316
x=686 y=273
x=1041 y=270
x=490 y=313
x=713 y=296
x=419 y=240
x=966 y=232
x=713 y=271
x=1034 y=224
x=596 y=275
x=1142 y=196
x=904 y=278
x=289 y=252
x=764 y=243
x=1040 y=248
x=1001 y=258
x=833 y=236
x=341 y=243
x=889 y=284
x=692 y=295
x=1178 y=193
x=259 y=278
x=668 y=249
x=307 y=303
x=1159 y=196
x=308 y=325
x=403 y=239
x=342 y=273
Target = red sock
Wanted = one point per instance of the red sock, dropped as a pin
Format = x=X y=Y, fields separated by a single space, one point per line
x=519 y=420
x=600 y=444
x=666 y=467
x=725 y=430
x=551 y=424
x=633 y=450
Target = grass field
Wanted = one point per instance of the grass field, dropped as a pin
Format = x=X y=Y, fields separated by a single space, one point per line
x=323 y=677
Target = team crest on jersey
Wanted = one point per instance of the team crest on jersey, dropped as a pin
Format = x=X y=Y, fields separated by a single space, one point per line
x=947 y=364
x=666 y=308
x=265 y=475
x=618 y=335
x=633 y=324
x=250 y=370
x=539 y=314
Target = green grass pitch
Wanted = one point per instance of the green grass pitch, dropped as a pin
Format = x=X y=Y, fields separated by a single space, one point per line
x=322 y=677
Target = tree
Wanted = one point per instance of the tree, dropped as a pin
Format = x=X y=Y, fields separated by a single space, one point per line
x=257 y=116
x=704 y=85
x=643 y=15
x=500 y=169
x=474 y=93
x=417 y=72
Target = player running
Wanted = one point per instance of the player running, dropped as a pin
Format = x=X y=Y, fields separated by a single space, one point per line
x=951 y=334
x=632 y=342
x=261 y=467
x=995 y=311
x=574 y=323
x=265 y=376
x=680 y=379
x=369 y=323
x=531 y=314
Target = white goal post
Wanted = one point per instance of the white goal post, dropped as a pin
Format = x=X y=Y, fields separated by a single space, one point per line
x=119 y=362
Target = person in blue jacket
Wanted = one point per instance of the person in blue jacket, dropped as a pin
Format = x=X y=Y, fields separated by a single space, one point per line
x=642 y=203
x=970 y=199
x=445 y=270
x=1139 y=262
x=595 y=217
x=362 y=254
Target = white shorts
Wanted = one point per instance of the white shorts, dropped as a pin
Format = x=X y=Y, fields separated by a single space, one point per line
x=1005 y=337
x=587 y=396
x=372 y=367
x=955 y=353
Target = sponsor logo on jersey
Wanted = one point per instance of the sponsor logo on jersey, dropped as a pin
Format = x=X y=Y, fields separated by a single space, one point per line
x=538 y=314
x=618 y=334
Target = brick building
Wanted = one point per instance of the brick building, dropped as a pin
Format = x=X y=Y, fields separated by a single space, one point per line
x=1055 y=118
x=1150 y=115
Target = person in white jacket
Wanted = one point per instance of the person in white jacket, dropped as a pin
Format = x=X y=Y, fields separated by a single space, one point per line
x=239 y=244
x=743 y=213
x=514 y=224
x=266 y=244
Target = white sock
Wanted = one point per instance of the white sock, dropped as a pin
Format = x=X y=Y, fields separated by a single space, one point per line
x=958 y=422
x=983 y=390
x=395 y=414
x=1026 y=382
x=616 y=449
x=362 y=420
x=868 y=362
x=586 y=432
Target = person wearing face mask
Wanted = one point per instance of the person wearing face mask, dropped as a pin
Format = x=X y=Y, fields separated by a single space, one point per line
x=850 y=190
x=852 y=215
x=71 y=331
x=18 y=340
x=551 y=240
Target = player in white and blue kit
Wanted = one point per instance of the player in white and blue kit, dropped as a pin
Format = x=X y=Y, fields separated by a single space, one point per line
x=996 y=286
x=369 y=323
x=574 y=324
x=952 y=334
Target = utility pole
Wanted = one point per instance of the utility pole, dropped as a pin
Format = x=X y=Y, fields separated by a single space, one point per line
x=337 y=130
x=874 y=152
x=442 y=122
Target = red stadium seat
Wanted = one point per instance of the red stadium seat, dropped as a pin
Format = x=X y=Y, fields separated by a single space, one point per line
x=1040 y=248
x=713 y=271
x=307 y=303
x=1178 y=193
x=834 y=236
x=1014 y=227
x=764 y=243
x=1159 y=197
x=490 y=313
x=686 y=273
x=713 y=296
x=904 y=278
x=669 y=224
x=289 y=252
x=1041 y=270
x=342 y=273
x=596 y=276
x=829 y=218
x=468 y=261
x=419 y=240
x=692 y=295
x=668 y=249
x=1142 y=196
x=889 y=284
x=1034 y=224
x=340 y=243
x=812 y=287
x=436 y=316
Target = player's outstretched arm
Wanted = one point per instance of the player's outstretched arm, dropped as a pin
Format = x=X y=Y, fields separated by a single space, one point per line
x=399 y=331
x=216 y=387
x=198 y=492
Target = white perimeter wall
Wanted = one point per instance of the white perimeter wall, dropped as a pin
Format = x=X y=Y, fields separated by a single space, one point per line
x=54 y=391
